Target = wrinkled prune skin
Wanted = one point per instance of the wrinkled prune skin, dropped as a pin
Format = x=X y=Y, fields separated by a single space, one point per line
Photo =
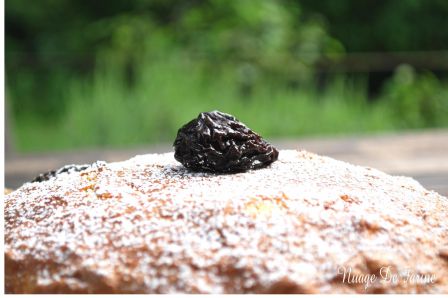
x=218 y=142
x=66 y=169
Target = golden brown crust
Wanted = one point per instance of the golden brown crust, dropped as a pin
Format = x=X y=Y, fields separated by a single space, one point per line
x=147 y=225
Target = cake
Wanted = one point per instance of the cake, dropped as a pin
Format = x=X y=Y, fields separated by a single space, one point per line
x=304 y=224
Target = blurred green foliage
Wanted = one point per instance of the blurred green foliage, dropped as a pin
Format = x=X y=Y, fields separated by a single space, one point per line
x=385 y=25
x=86 y=73
x=417 y=100
x=103 y=111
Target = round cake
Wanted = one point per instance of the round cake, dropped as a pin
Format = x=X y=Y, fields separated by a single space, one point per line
x=304 y=224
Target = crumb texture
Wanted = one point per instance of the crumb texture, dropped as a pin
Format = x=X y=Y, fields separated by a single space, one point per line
x=148 y=225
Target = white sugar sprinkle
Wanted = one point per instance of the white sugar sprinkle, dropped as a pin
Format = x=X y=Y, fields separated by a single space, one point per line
x=149 y=225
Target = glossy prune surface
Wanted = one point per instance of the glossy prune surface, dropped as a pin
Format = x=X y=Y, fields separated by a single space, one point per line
x=218 y=142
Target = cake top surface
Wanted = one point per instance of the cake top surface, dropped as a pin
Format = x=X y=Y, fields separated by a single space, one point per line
x=149 y=225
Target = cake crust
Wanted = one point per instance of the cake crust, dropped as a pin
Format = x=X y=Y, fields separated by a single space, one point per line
x=148 y=225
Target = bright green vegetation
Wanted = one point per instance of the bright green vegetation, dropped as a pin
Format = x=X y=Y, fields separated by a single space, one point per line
x=83 y=74
x=103 y=111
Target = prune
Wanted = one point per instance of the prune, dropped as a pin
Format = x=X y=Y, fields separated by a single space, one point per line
x=66 y=169
x=218 y=142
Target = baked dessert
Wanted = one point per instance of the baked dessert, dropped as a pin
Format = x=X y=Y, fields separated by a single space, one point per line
x=305 y=224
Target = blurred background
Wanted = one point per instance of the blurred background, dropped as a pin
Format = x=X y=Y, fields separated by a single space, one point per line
x=121 y=74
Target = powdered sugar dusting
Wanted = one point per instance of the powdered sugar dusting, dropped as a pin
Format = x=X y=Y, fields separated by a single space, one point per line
x=149 y=225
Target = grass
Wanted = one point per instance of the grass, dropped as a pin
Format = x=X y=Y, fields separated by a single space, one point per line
x=103 y=111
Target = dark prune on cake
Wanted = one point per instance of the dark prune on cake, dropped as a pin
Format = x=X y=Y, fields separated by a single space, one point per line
x=66 y=169
x=220 y=143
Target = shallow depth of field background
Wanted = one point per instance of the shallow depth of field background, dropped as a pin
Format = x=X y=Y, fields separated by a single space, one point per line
x=121 y=73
